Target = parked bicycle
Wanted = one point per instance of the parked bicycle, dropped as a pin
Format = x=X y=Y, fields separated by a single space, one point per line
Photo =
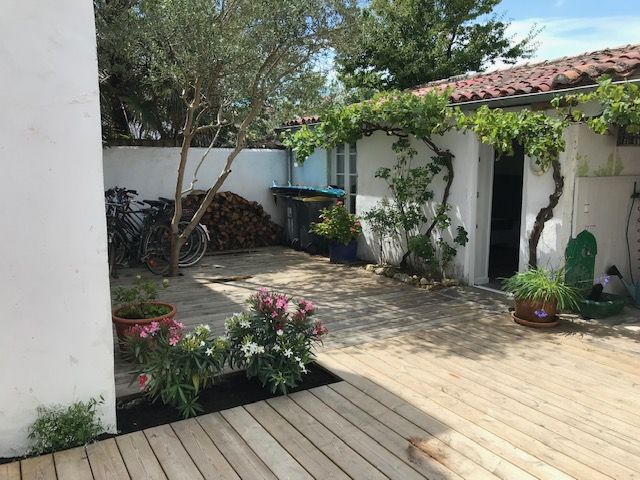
x=140 y=231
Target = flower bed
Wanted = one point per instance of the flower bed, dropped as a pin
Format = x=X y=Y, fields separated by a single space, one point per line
x=272 y=341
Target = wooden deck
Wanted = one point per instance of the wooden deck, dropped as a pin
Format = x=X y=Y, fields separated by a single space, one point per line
x=435 y=385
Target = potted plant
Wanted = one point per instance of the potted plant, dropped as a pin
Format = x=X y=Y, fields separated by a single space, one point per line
x=137 y=305
x=539 y=294
x=342 y=229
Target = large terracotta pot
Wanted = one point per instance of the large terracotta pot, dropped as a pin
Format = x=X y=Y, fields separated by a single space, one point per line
x=526 y=310
x=122 y=324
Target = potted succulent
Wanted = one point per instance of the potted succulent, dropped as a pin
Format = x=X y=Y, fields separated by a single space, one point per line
x=137 y=305
x=539 y=294
x=342 y=229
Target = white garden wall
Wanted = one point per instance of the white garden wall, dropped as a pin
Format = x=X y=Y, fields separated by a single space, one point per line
x=152 y=172
x=56 y=343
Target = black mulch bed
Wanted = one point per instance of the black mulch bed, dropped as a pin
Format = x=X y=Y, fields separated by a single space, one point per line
x=232 y=390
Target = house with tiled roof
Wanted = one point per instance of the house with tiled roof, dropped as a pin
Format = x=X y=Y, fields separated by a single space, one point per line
x=497 y=201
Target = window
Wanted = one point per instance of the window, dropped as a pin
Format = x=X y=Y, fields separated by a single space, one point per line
x=345 y=173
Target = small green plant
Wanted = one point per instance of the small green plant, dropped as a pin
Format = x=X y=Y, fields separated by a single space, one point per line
x=173 y=367
x=60 y=428
x=543 y=285
x=134 y=301
x=272 y=343
x=338 y=224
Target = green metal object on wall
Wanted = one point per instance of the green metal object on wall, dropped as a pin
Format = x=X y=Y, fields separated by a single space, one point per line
x=580 y=261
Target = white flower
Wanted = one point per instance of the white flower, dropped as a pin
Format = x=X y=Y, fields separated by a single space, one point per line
x=209 y=352
x=303 y=369
x=251 y=348
x=276 y=348
x=202 y=344
x=297 y=359
x=244 y=323
x=279 y=332
x=206 y=327
x=287 y=353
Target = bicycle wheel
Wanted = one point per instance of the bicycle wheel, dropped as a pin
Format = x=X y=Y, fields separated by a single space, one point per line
x=156 y=249
x=198 y=241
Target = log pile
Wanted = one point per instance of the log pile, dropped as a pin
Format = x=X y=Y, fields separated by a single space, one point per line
x=235 y=222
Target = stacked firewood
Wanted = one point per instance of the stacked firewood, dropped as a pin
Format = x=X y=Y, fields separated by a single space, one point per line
x=235 y=222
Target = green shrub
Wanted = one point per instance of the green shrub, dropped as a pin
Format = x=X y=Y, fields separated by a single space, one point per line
x=134 y=300
x=338 y=224
x=542 y=285
x=273 y=343
x=173 y=367
x=59 y=428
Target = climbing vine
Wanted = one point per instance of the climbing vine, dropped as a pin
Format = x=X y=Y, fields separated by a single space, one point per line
x=426 y=118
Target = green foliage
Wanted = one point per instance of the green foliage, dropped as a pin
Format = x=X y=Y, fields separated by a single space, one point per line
x=133 y=301
x=619 y=107
x=158 y=57
x=539 y=134
x=172 y=367
x=404 y=43
x=271 y=343
x=338 y=224
x=59 y=428
x=390 y=112
x=543 y=285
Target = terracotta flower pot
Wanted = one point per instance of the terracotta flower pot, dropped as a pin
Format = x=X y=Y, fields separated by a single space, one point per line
x=122 y=324
x=526 y=310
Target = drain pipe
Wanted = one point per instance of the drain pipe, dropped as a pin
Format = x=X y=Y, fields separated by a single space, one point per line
x=289 y=166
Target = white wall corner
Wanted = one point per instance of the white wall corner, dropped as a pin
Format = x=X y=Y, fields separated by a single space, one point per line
x=57 y=347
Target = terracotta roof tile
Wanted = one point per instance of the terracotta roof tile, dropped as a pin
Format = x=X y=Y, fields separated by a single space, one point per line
x=562 y=73
x=545 y=76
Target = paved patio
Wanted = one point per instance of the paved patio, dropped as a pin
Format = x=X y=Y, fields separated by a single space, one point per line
x=435 y=385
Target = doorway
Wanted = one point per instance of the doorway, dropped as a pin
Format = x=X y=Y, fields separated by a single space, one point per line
x=506 y=214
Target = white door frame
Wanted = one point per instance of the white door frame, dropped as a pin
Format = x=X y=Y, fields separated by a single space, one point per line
x=484 y=200
x=345 y=155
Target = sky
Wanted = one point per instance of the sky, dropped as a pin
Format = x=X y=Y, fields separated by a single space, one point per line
x=571 y=27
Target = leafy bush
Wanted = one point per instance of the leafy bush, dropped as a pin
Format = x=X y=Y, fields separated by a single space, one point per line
x=134 y=301
x=272 y=343
x=59 y=428
x=338 y=224
x=543 y=285
x=173 y=367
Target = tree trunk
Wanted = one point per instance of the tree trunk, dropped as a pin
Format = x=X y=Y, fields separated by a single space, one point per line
x=545 y=213
x=177 y=241
x=226 y=170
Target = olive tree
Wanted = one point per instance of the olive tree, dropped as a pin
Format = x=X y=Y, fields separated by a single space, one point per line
x=228 y=59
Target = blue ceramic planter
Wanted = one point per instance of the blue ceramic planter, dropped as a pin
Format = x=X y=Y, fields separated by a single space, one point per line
x=340 y=253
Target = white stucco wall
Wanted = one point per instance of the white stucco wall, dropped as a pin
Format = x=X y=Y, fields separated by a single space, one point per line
x=314 y=171
x=56 y=343
x=152 y=172
x=375 y=152
x=535 y=195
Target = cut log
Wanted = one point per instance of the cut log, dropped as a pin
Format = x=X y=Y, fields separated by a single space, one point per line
x=235 y=222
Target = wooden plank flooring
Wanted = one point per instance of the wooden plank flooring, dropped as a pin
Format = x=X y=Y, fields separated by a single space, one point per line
x=434 y=385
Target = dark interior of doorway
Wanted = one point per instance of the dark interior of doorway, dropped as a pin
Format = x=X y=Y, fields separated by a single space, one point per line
x=506 y=212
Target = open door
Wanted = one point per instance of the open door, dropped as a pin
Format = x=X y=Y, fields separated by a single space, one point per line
x=498 y=216
x=506 y=213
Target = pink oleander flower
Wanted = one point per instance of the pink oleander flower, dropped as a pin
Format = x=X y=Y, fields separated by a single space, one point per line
x=306 y=306
x=142 y=381
x=282 y=302
x=153 y=327
x=319 y=329
x=144 y=333
x=173 y=340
